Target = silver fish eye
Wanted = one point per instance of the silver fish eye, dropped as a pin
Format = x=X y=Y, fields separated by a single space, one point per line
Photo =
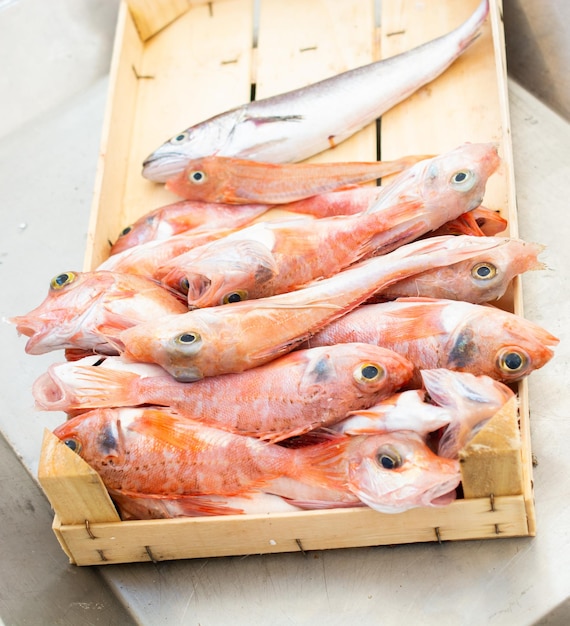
x=463 y=180
x=197 y=177
x=180 y=138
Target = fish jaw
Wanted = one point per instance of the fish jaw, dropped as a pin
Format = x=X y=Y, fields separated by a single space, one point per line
x=421 y=479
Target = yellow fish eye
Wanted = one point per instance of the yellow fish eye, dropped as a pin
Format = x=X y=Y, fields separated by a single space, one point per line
x=484 y=271
x=369 y=372
x=388 y=458
x=512 y=361
x=187 y=338
x=73 y=444
x=235 y=296
x=61 y=280
x=198 y=177
x=463 y=180
x=180 y=138
x=184 y=285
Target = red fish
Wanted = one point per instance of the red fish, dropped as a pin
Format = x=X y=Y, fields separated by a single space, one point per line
x=296 y=393
x=82 y=305
x=448 y=334
x=242 y=335
x=239 y=181
x=148 y=451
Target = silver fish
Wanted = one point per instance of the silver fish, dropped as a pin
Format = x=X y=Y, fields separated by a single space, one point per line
x=298 y=124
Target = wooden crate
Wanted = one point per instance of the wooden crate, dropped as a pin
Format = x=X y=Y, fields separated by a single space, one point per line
x=177 y=62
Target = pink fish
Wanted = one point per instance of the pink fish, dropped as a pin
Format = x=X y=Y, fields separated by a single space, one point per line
x=151 y=451
x=80 y=306
x=291 y=395
x=242 y=335
x=447 y=334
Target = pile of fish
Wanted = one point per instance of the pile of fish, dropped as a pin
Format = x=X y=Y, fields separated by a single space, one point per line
x=230 y=358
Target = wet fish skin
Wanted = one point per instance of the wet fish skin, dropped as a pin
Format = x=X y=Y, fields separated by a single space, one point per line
x=80 y=306
x=291 y=395
x=456 y=335
x=154 y=452
x=240 y=181
x=242 y=335
x=298 y=124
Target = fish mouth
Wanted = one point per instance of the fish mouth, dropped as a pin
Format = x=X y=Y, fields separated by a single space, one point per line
x=37 y=332
x=48 y=394
x=160 y=167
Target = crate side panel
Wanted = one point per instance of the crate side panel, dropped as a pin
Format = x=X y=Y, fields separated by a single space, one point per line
x=303 y=42
x=199 y=66
x=107 y=214
x=292 y=532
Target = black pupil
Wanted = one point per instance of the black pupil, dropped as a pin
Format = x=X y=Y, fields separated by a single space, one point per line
x=513 y=361
x=187 y=338
x=184 y=285
x=71 y=444
x=126 y=231
x=483 y=271
x=369 y=372
x=387 y=462
x=62 y=279
x=460 y=177
x=234 y=297
x=180 y=138
x=197 y=176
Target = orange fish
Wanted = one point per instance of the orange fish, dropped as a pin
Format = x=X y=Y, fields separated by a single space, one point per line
x=242 y=335
x=484 y=278
x=296 y=393
x=479 y=222
x=447 y=334
x=82 y=305
x=239 y=181
x=151 y=451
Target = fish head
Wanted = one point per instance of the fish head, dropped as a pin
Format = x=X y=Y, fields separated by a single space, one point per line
x=455 y=180
x=499 y=344
x=59 y=320
x=197 y=141
x=141 y=231
x=97 y=436
x=394 y=472
x=202 y=179
x=227 y=271
x=184 y=345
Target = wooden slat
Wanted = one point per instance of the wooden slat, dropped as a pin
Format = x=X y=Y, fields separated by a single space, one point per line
x=151 y=16
x=75 y=491
x=291 y=532
x=302 y=42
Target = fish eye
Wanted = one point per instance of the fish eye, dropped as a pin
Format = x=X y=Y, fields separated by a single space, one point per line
x=512 y=361
x=369 y=372
x=484 y=271
x=181 y=138
x=388 y=458
x=61 y=280
x=235 y=296
x=73 y=444
x=463 y=180
x=188 y=338
x=125 y=231
x=184 y=285
x=198 y=177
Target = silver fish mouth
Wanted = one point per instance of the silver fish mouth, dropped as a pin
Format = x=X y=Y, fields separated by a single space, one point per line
x=160 y=167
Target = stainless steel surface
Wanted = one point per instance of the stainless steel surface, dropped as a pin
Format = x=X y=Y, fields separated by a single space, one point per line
x=48 y=152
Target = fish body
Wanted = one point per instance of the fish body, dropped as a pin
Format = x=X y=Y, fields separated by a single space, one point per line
x=149 y=451
x=184 y=217
x=242 y=335
x=298 y=124
x=298 y=392
x=456 y=335
x=82 y=305
x=483 y=278
x=479 y=222
x=240 y=181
